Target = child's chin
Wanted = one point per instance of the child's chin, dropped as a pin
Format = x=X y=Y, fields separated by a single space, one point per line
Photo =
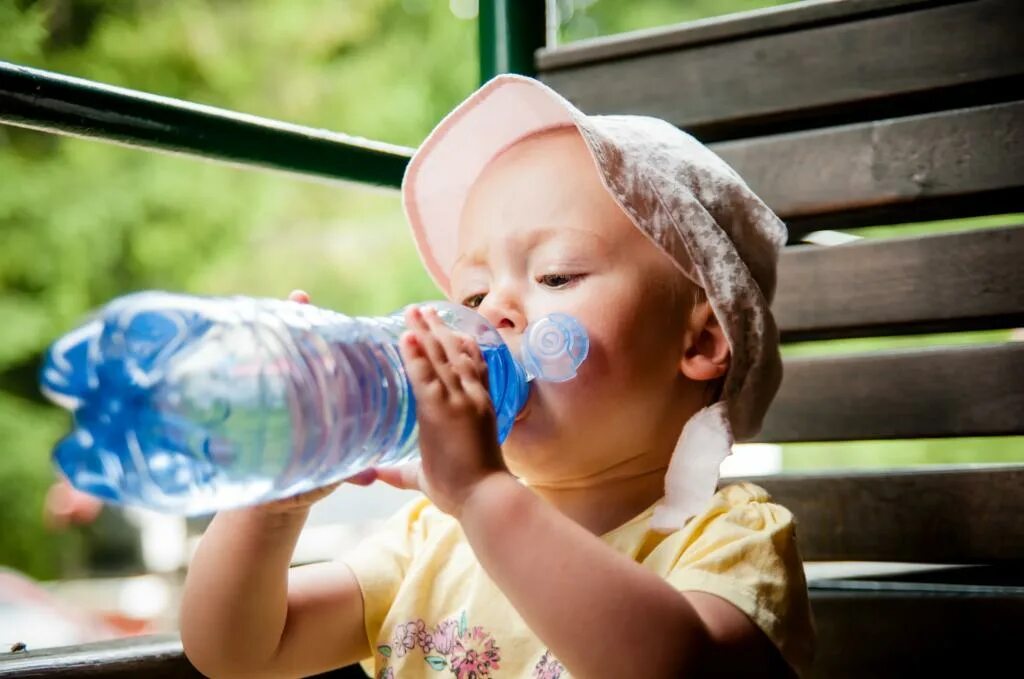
x=531 y=445
x=529 y=428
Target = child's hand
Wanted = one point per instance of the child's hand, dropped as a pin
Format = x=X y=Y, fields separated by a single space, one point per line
x=66 y=505
x=303 y=501
x=458 y=432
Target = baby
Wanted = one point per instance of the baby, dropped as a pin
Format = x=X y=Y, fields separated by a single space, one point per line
x=593 y=542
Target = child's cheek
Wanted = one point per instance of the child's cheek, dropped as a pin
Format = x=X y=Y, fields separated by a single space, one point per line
x=598 y=380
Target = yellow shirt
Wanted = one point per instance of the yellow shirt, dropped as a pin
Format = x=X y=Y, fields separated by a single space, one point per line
x=431 y=611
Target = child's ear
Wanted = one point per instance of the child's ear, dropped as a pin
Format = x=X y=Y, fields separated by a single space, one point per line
x=705 y=348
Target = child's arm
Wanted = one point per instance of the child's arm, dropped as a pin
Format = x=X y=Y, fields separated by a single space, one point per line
x=601 y=614
x=244 y=614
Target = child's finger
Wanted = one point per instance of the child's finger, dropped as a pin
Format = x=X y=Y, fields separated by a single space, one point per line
x=417 y=324
x=468 y=369
x=363 y=478
x=426 y=384
x=476 y=389
x=406 y=477
x=472 y=370
x=449 y=340
x=472 y=348
x=420 y=322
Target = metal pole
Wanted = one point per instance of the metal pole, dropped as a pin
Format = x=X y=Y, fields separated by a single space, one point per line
x=57 y=103
x=511 y=31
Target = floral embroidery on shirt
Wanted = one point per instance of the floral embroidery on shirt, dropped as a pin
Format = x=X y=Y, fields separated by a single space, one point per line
x=443 y=638
x=452 y=645
x=475 y=655
x=403 y=639
x=547 y=667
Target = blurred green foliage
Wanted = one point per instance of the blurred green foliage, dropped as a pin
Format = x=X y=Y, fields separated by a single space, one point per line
x=82 y=222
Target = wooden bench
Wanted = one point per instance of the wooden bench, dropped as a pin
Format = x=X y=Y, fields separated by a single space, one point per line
x=852 y=114
x=843 y=115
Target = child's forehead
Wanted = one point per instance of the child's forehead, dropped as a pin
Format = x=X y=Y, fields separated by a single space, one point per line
x=552 y=162
x=542 y=189
x=568 y=230
x=479 y=242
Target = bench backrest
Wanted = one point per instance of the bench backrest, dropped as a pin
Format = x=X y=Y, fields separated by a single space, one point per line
x=853 y=114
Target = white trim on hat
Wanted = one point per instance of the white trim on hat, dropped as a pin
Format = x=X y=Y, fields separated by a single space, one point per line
x=444 y=168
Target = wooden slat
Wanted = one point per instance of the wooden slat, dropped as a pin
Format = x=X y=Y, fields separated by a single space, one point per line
x=736 y=26
x=748 y=81
x=940 y=392
x=881 y=634
x=955 y=281
x=153 y=657
x=892 y=634
x=955 y=163
x=958 y=515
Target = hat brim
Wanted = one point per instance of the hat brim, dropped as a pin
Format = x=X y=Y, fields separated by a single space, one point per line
x=441 y=172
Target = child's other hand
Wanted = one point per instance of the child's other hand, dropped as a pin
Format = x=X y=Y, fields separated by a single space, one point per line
x=65 y=505
x=458 y=431
x=302 y=501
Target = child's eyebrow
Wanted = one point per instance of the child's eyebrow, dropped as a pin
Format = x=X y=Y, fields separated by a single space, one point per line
x=571 y=242
x=474 y=258
x=534 y=239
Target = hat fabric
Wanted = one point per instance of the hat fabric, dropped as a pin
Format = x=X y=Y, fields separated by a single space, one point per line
x=678 y=193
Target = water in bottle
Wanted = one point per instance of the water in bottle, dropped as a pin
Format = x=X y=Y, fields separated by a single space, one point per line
x=191 y=404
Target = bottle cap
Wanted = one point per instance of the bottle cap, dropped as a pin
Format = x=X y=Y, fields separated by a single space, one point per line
x=554 y=347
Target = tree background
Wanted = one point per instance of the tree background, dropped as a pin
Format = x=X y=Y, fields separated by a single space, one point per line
x=82 y=222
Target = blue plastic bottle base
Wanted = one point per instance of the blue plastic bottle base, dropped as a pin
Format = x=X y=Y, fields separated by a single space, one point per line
x=169 y=472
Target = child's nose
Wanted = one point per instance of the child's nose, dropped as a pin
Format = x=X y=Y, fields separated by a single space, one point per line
x=503 y=312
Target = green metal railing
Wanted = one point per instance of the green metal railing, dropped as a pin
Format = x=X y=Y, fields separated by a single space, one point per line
x=57 y=103
x=510 y=31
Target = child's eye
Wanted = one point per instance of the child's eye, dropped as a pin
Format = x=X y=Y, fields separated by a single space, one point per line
x=473 y=301
x=558 y=280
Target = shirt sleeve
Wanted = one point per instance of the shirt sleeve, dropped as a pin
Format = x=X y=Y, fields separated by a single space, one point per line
x=381 y=561
x=744 y=550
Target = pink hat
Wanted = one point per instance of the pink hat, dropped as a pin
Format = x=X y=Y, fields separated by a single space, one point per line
x=681 y=195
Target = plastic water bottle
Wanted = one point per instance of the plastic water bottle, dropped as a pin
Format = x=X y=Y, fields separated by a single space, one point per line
x=190 y=405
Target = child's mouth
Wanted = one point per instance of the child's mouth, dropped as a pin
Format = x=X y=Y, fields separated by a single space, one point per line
x=528 y=406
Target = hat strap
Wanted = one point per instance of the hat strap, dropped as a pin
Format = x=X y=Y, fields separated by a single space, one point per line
x=692 y=475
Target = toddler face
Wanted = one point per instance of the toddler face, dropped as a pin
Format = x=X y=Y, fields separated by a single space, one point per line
x=539 y=233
